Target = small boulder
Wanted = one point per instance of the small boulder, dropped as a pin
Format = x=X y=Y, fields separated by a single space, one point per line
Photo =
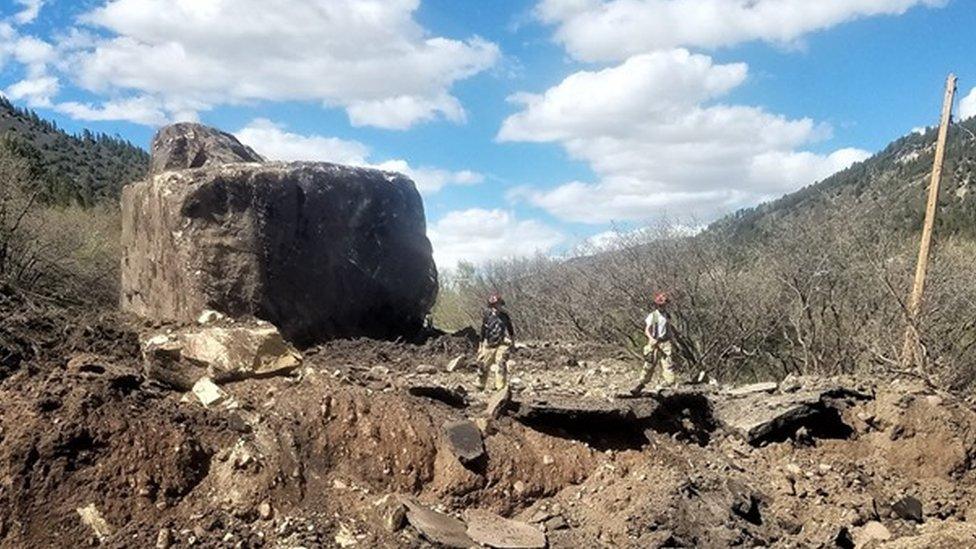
x=464 y=440
x=221 y=353
x=209 y=317
x=240 y=352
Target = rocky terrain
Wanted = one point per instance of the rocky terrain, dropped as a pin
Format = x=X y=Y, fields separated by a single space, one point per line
x=384 y=444
x=185 y=421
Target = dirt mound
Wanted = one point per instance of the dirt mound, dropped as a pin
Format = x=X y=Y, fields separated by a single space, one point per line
x=314 y=459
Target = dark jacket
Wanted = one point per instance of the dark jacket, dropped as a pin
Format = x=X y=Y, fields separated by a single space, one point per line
x=505 y=318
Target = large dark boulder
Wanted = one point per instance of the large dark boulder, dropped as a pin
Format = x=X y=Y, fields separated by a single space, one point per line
x=320 y=250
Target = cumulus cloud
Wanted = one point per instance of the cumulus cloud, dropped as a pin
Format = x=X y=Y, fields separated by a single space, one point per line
x=967 y=106
x=648 y=130
x=479 y=235
x=369 y=57
x=141 y=110
x=612 y=30
x=275 y=142
x=30 y=9
x=37 y=92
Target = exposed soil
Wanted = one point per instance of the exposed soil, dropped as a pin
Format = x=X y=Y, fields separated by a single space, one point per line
x=306 y=461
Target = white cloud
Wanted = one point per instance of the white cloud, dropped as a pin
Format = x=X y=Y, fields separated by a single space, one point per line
x=37 y=92
x=479 y=235
x=967 y=106
x=275 y=142
x=369 y=57
x=31 y=9
x=142 y=110
x=612 y=30
x=430 y=180
x=646 y=129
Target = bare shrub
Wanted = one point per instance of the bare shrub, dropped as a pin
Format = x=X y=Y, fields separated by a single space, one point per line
x=818 y=294
x=68 y=254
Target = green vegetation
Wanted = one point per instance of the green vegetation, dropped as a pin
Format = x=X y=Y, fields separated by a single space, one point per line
x=83 y=170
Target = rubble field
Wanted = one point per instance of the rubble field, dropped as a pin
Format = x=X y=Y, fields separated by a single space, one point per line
x=387 y=444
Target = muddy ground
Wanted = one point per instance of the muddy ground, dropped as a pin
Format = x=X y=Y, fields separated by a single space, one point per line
x=310 y=460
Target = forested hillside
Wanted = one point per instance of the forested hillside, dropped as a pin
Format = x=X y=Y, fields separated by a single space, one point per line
x=83 y=169
x=890 y=186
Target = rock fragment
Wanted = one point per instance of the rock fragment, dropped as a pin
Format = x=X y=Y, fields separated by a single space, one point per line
x=435 y=526
x=908 y=508
x=208 y=393
x=454 y=363
x=164 y=539
x=240 y=352
x=392 y=513
x=765 y=387
x=464 y=440
x=489 y=529
x=93 y=518
x=265 y=511
x=871 y=531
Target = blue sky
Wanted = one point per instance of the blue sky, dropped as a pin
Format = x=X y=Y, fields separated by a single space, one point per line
x=528 y=126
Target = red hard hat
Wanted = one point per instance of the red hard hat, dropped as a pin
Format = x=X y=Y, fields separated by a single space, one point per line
x=495 y=299
x=660 y=298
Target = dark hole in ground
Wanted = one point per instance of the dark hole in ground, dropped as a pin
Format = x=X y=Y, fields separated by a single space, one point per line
x=624 y=424
x=79 y=449
x=125 y=384
x=455 y=398
x=687 y=417
x=598 y=430
x=820 y=421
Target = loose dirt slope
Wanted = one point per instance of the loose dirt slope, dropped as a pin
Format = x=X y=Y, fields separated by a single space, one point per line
x=309 y=460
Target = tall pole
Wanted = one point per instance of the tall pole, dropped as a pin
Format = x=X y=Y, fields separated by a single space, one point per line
x=915 y=300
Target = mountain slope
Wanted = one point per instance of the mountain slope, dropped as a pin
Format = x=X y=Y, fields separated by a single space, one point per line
x=890 y=188
x=83 y=169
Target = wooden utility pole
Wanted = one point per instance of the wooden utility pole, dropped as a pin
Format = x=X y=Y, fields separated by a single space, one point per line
x=915 y=300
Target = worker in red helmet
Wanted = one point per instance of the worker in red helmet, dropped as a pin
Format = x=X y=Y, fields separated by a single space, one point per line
x=497 y=338
x=658 y=351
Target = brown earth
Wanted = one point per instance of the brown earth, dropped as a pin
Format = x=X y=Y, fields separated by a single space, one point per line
x=307 y=461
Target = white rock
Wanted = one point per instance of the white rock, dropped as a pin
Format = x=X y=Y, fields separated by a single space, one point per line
x=93 y=518
x=208 y=392
x=209 y=317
